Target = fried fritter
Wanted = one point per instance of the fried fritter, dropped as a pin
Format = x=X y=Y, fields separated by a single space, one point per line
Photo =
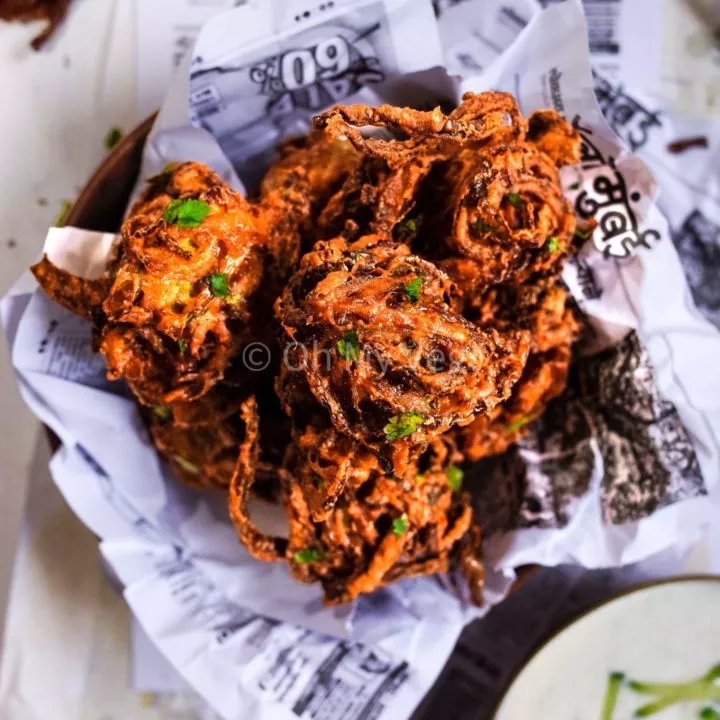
x=260 y=545
x=200 y=439
x=382 y=190
x=552 y=134
x=501 y=214
x=192 y=256
x=505 y=215
x=542 y=309
x=383 y=529
x=371 y=329
x=414 y=280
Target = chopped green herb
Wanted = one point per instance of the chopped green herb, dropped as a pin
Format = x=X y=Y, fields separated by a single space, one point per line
x=514 y=199
x=400 y=524
x=219 y=285
x=575 y=186
x=308 y=556
x=454 y=477
x=113 y=137
x=584 y=235
x=615 y=681
x=420 y=478
x=708 y=713
x=186 y=465
x=349 y=346
x=63 y=214
x=400 y=426
x=552 y=244
x=412 y=289
x=407 y=228
x=518 y=424
x=162 y=412
x=186 y=213
x=483 y=227
x=182 y=345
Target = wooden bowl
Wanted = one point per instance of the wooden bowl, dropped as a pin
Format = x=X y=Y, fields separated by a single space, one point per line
x=102 y=203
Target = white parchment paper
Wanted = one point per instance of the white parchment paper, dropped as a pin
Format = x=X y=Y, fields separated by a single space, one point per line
x=253 y=642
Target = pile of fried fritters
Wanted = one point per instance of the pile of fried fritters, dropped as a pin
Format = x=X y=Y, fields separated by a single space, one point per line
x=387 y=309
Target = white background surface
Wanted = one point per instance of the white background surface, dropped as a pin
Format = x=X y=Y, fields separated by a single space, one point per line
x=51 y=137
x=58 y=106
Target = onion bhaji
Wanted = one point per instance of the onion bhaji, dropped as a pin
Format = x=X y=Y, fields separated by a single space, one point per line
x=407 y=285
x=371 y=328
x=177 y=302
x=384 y=529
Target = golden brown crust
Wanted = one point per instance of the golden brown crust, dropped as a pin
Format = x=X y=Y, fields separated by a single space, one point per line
x=260 y=545
x=78 y=295
x=168 y=332
x=415 y=283
x=382 y=530
x=414 y=355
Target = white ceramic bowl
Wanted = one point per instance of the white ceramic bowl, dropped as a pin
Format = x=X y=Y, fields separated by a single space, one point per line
x=665 y=633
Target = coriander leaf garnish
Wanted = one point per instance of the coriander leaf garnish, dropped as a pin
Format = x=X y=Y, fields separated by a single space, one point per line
x=399 y=525
x=454 y=477
x=63 y=214
x=182 y=345
x=186 y=465
x=552 y=244
x=614 y=684
x=349 y=346
x=412 y=289
x=575 y=186
x=162 y=412
x=400 y=426
x=407 y=228
x=483 y=227
x=219 y=285
x=514 y=199
x=113 y=137
x=307 y=556
x=420 y=478
x=518 y=424
x=186 y=213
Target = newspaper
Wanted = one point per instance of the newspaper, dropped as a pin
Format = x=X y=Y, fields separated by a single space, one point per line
x=683 y=153
x=667 y=47
x=253 y=642
x=490 y=650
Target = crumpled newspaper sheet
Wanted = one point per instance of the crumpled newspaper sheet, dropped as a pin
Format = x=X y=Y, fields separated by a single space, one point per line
x=248 y=638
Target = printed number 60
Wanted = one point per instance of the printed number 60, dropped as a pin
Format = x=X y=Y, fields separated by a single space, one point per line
x=304 y=67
